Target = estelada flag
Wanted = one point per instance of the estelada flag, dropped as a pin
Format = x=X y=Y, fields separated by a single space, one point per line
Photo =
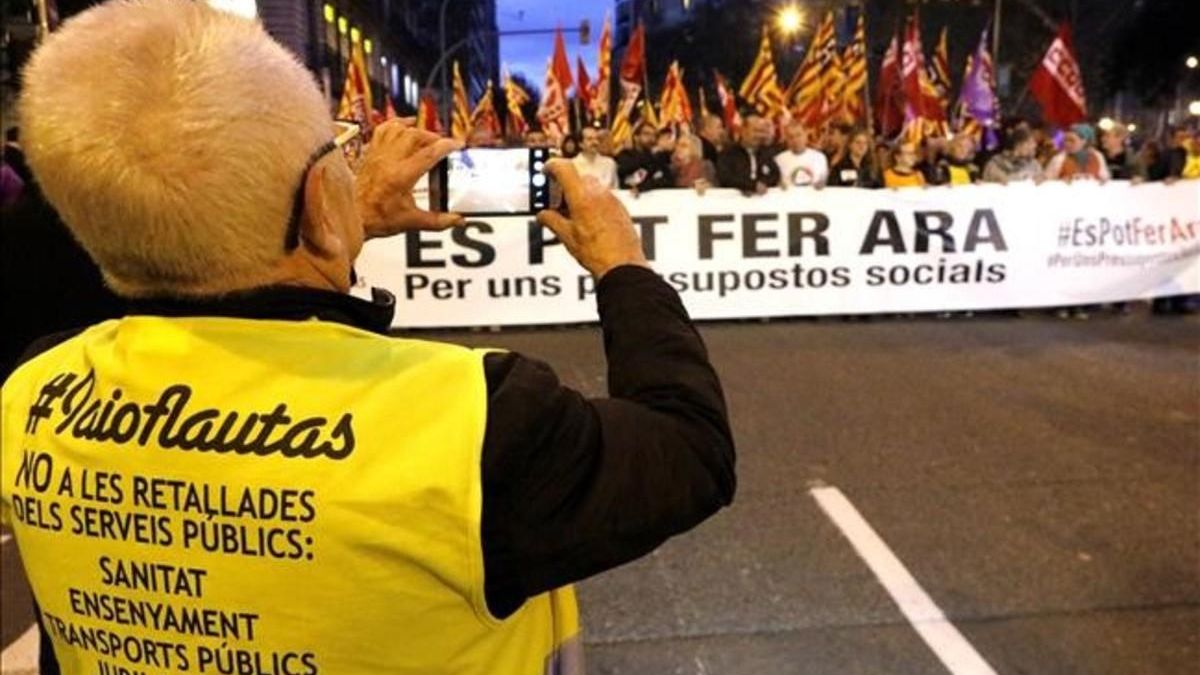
x=1057 y=84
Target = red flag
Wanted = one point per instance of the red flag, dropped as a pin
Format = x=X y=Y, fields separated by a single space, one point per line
x=552 y=112
x=427 y=114
x=889 y=110
x=1058 y=84
x=729 y=111
x=912 y=66
x=633 y=70
x=583 y=87
x=633 y=66
x=561 y=65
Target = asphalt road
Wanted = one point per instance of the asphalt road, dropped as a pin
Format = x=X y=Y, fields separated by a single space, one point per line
x=1039 y=480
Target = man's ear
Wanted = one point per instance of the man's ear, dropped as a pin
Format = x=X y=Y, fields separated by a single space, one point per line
x=319 y=228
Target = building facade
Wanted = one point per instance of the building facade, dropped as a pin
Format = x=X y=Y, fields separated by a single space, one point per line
x=401 y=41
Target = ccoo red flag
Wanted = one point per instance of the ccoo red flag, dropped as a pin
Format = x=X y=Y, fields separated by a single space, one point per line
x=1058 y=84
x=561 y=65
x=889 y=107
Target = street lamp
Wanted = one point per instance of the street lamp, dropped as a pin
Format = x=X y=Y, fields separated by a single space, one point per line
x=789 y=19
x=1192 y=62
x=1194 y=108
x=1106 y=123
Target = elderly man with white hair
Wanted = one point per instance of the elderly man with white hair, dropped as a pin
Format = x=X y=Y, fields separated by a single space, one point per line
x=247 y=473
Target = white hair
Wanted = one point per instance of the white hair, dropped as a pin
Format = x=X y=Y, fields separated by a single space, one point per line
x=171 y=138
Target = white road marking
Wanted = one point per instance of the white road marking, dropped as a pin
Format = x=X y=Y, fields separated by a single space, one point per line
x=931 y=624
x=21 y=657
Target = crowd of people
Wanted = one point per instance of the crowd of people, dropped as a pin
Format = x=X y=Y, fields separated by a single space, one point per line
x=761 y=155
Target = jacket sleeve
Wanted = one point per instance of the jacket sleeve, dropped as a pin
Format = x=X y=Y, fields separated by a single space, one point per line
x=732 y=172
x=575 y=486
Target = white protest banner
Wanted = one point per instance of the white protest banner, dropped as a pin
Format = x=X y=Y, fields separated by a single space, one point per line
x=812 y=252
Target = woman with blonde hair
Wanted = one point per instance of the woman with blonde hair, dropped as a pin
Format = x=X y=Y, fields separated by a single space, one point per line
x=691 y=169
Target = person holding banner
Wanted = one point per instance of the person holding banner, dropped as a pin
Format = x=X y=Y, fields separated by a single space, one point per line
x=750 y=165
x=800 y=165
x=394 y=505
x=1078 y=159
x=903 y=171
x=642 y=167
x=589 y=161
x=857 y=167
x=1017 y=161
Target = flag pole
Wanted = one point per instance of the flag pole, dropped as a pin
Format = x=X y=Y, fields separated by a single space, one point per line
x=867 y=102
x=996 y=36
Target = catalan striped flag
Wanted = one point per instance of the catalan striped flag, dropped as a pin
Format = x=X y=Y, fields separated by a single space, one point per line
x=833 y=78
x=854 y=62
x=600 y=95
x=805 y=95
x=515 y=97
x=356 y=95
x=939 y=83
x=761 y=88
x=460 y=115
x=484 y=116
x=674 y=105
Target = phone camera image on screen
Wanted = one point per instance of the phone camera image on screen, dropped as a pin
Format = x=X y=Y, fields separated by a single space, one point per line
x=494 y=181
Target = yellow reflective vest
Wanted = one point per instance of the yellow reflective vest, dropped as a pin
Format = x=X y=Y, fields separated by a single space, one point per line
x=251 y=497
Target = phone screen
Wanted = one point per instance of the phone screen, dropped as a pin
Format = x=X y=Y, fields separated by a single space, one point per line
x=493 y=181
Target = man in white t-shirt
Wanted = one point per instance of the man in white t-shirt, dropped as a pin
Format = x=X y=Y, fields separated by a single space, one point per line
x=800 y=165
x=589 y=161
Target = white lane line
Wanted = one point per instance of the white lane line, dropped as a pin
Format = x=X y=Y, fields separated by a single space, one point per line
x=22 y=655
x=931 y=624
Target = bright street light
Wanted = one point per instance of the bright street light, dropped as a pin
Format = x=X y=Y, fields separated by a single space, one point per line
x=1132 y=128
x=1106 y=123
x=1193 y=62
x=789 y=19
x=1194 y=108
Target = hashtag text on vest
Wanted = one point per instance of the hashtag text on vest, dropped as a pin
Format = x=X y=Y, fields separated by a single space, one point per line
x=205 y=430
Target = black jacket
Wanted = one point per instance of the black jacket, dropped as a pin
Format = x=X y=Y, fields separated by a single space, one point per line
x=571 y=486
x=846 y=174
x=644 y=170
x=734 y=169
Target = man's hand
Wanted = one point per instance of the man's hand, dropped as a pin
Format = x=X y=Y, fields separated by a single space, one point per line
x=599 y=233
x=396 y=159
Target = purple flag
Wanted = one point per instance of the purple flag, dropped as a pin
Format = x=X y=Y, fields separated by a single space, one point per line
x=977 y=102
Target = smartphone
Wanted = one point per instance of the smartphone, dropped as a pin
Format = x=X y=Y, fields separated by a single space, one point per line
x=493 y=182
